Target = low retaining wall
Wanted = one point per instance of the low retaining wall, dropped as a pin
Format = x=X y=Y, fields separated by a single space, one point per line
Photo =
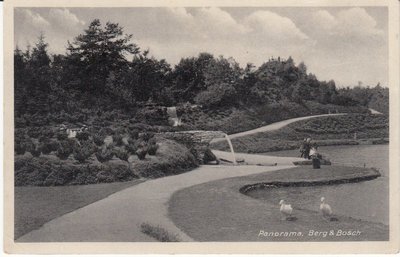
x=368 y=174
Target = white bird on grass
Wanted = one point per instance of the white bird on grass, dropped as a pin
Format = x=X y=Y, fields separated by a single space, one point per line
x=325 y=209
x=286 y=210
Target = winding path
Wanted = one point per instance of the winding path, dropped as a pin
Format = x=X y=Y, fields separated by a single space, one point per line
x=274 y=126
x=118 y=217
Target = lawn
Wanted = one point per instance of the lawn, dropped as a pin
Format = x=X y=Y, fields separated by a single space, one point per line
x=35 y=206
x=217 y=211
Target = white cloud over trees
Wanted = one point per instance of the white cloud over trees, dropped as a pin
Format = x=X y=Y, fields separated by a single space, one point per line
x=323 y=38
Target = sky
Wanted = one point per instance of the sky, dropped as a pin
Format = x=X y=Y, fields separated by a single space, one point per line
x=346 y=44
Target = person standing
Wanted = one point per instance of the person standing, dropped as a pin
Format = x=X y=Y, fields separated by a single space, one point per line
x=303 y=148
x=307 y=149
x=315 y=156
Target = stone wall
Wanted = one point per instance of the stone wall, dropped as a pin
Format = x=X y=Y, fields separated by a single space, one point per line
x=197 y=141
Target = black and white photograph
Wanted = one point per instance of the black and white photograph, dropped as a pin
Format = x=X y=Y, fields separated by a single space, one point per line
x=202 y=123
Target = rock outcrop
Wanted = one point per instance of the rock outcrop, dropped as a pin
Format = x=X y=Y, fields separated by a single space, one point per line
x=197 y=141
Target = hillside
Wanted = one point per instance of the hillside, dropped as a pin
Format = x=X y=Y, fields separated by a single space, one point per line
x=331 y=130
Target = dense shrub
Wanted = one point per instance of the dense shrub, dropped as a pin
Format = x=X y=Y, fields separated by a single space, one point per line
x=98 y=139
x=53 y=145
x=153 y=116
x=35 y=151
x=141 y=153
x=106 y=131
x=29 y=145
x=146 y=136
x=46 y=147
x=217 y=95
x=122 y=154
x=42 y=173
x=73 y=143
x=83 y=153
x=64 y=150
x=47 y=132
x=32 y=171
x=152 y=149
x=82 y=136
x=136 y=126
x=365 y=125
x=33 y=132
x=134 y=133
x=104 y=154
x=62 y=135
x=132 y=146
x=19 y=147
x=122 y=173
x=117 y=138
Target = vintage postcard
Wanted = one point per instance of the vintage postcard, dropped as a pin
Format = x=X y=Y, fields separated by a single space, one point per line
x=233 y=127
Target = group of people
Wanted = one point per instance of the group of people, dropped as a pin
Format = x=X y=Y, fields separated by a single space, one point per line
x=308 y=149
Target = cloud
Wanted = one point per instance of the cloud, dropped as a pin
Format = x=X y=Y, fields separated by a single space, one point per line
x=200 y=24
x=180 y=14
x=349 y=27
x=357 y=21
x=324 y=19
x=34 y=19
x=217 y=22
x=216 y=29
x=274 y=26
x=64 y=18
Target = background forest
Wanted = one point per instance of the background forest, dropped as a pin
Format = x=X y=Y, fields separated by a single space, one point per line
x=104 y=74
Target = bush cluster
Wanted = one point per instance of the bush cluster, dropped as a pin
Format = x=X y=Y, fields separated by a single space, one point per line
x=104 y=154
x=46 y=171
x=41 y=172
x=366 y=126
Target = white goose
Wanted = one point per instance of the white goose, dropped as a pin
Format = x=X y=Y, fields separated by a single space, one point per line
x=286 y=209
x=325 y=208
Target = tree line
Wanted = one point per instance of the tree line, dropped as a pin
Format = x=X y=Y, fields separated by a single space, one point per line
x=102 y=69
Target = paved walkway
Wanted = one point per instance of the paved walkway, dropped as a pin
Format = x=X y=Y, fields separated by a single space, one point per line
x=117 y=218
